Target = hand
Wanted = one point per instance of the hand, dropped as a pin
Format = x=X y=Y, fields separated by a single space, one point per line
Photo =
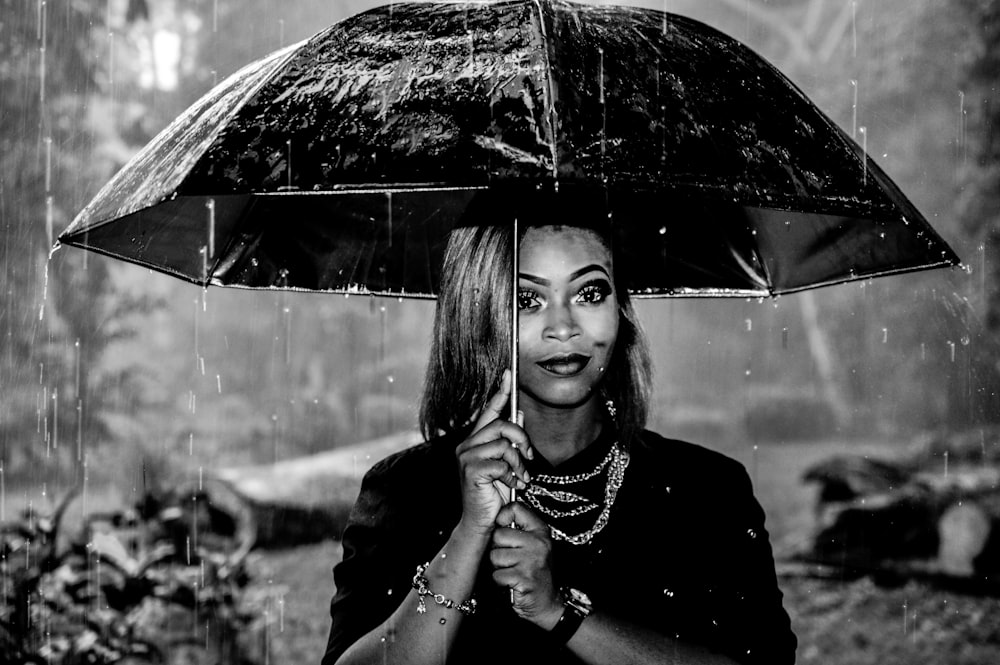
x=522 y=558
x=490 y=462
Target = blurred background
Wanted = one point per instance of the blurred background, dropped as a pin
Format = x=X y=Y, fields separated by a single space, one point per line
x=117 y=383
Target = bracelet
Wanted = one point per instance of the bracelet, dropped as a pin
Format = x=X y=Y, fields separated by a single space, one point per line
x=420 y=583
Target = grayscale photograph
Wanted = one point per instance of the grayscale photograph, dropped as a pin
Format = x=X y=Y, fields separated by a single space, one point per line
x=562 y=332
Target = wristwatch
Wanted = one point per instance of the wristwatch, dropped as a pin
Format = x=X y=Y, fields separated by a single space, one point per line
x=576 y=608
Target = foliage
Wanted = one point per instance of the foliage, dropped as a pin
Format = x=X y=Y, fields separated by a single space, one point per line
x=147 y=584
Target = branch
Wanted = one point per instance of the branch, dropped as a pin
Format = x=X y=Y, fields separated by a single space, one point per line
x=836 y=32
x=813 y=14
x=801 y=52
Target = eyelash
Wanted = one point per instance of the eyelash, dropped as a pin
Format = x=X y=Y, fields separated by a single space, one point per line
x=592 y=293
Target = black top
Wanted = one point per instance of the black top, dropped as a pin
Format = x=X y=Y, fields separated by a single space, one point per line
x=685 y=553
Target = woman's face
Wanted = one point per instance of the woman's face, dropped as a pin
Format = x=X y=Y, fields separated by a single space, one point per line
x=568 y=315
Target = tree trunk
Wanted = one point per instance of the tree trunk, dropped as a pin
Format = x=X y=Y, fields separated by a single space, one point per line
x=308 y=499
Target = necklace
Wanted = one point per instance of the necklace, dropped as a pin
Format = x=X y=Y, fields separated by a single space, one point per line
x=616 y=461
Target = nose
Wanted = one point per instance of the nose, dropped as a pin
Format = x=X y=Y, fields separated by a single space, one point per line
x=561 y=324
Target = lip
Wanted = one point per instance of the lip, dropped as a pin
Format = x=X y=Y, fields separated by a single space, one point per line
x=564 y=364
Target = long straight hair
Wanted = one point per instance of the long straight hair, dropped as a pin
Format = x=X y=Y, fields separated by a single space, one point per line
x=471 y=339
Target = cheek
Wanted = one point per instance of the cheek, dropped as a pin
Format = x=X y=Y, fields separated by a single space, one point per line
x=603 y=328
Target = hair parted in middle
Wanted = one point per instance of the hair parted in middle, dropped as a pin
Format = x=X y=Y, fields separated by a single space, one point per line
x=470 y=347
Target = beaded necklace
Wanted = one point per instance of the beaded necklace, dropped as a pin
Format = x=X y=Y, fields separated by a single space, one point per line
x=616 y=461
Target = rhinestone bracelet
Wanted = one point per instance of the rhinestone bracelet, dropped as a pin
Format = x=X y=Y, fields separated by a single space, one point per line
x=420 y=583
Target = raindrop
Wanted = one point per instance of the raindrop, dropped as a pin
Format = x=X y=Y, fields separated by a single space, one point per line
x=854 y=27
x=48 y=165
x=663 y=230
x=749 y=324
x=210 y=205
x=951 y=347
x=965 y=340
x=864 y=149
x=218 y=383
x=784 y=338
x=854 y=110
x=55 y=418
x=43 y=38
x=885 y=335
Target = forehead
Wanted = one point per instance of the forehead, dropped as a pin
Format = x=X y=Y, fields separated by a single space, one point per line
x=556 y=249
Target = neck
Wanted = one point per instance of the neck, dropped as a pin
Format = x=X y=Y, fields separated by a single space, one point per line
x=560 y=433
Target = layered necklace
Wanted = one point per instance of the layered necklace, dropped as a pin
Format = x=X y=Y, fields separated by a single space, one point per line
x=553 y=495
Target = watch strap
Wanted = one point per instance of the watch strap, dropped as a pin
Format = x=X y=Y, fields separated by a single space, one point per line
x=569 y=622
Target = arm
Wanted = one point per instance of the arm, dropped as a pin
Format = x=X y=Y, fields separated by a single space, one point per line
x=409 y=636
x=603 y=638
x=374 y=625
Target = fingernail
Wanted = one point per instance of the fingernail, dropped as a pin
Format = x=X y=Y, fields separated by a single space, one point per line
x=527 y=477
x=521 y=484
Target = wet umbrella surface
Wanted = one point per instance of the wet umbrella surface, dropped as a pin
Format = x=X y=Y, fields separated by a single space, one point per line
x=340 y=163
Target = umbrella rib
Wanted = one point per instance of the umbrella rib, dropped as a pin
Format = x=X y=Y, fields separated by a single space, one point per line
x=550 y=88
x=232 y=241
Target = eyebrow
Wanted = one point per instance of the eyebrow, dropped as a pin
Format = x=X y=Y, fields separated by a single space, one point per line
x=575 y=275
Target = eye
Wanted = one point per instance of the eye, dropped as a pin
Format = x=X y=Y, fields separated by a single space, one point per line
x=594 y=293
x=527 y=299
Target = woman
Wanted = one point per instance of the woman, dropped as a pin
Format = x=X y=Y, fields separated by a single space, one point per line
x=622 y=546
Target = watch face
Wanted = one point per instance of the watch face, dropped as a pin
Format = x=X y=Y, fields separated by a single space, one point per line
x=577 y=599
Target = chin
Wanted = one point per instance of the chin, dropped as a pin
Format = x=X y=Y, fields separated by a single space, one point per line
x=567 y=397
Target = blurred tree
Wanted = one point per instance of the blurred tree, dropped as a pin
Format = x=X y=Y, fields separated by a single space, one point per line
x=981 y=203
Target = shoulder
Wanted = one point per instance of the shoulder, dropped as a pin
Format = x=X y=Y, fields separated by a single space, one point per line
x=691 y=458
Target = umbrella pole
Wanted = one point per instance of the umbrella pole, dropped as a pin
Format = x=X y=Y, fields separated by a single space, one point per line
x=515 y=254
x=516 y=269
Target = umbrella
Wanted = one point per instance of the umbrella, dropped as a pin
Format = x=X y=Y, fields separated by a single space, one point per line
x=341 y=163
